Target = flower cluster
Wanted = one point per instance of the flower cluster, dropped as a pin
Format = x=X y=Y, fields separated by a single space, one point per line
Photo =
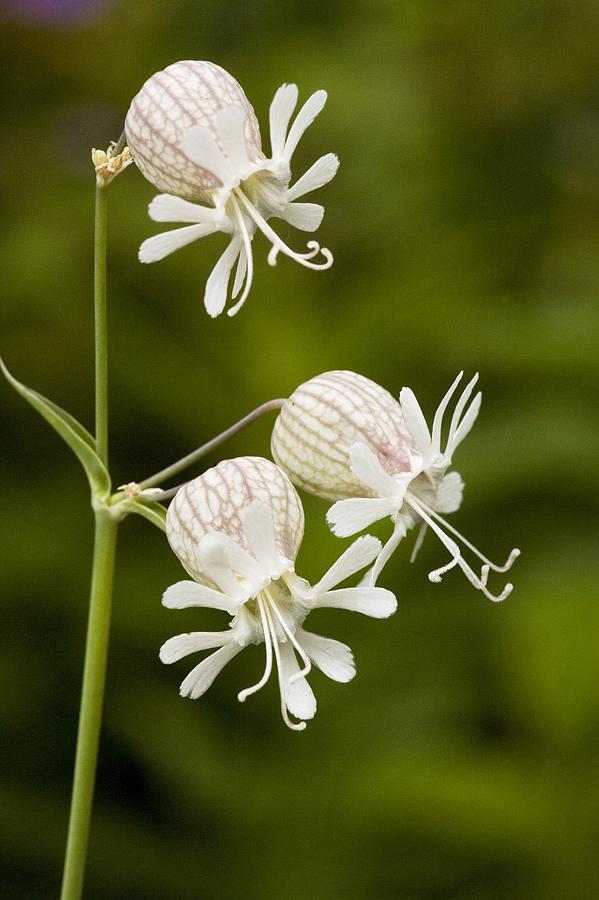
x=237 y=529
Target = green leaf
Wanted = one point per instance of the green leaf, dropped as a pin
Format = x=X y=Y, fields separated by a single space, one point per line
x=71 y=431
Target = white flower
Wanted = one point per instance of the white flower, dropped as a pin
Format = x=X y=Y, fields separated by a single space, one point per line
x=192 y=132
x=323 y=418
x=409 y=483
x=247 y=569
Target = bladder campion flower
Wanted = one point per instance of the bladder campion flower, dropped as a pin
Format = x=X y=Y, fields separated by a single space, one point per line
x=237 y=530
x=344 y=438
x=194 y=134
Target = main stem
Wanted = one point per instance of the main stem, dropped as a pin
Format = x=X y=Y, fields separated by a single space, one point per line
x=101 y=330
x=98 y=627
x=90 y=714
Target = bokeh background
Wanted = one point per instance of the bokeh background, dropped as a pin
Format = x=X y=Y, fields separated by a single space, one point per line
x=462 y=762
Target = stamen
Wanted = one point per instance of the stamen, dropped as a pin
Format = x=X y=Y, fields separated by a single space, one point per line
x=514 y=554
x=302 y=258
x=478 y=582
x=419 y=541
x=243 y=695
x=295 y=726
x=250 y=260
x=305 y=659
x=436 y=575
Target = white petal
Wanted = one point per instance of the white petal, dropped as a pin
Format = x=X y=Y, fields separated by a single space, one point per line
x=376 y=602
x=281 y=110
x=259 y=530
x=368 y=468
x=449 y=493
x=438 y=420
x=168 y=208
x=299 y=697
x=183 y=644
x=416 y=423
x=162 y=245
x=184 y=594
x=319 y=174
x=230 y=124
x=215 y=296
x=346 y=517
x=225 y=562
x=303 y=120
x=199 y=679
x=457 y=415
x=200 y=147
x=242 y=264
x=305 y=216
x=399 y=532
x=333 y=658
x=467 y=422
x=359 y=555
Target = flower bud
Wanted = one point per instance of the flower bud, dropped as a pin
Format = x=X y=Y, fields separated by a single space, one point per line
x=321 y=421
x=213 y=503
x=185 y=94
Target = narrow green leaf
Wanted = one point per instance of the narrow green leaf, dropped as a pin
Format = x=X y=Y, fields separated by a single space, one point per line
x=71 y=431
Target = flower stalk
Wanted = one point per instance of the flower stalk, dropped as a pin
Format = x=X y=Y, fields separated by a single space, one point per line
x=210 y=445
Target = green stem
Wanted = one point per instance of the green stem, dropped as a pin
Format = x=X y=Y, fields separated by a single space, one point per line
x=101 y=331
x=193 y=457
x=98 y=626
x=92 y=696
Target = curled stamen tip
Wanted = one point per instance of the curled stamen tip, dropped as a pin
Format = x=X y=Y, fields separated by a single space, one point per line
x=242 y=696
x=435 y=577
x=299 y=726
x=505 y=593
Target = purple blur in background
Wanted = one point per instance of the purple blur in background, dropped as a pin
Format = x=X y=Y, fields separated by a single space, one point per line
x=54 y=12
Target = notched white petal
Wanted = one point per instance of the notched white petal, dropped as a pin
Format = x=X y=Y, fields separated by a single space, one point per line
x=230 y=124
x=305 y=216
x=319 y=174
x=368 y=468
x=281 y=110
x=157 y=247
x=311 y=108
x=378 y=603
x=185 y=594
x=334 y=659
x=200 y=147
x=299 y=696
x=199 y=679
x=416 y=423
x=183 y=644
x=347 y=517
x=215 y=296
x=359 y=555
x=168 y=208
x=449 y=493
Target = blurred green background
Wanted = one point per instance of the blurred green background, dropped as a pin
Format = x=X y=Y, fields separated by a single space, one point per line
x=462 y=762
